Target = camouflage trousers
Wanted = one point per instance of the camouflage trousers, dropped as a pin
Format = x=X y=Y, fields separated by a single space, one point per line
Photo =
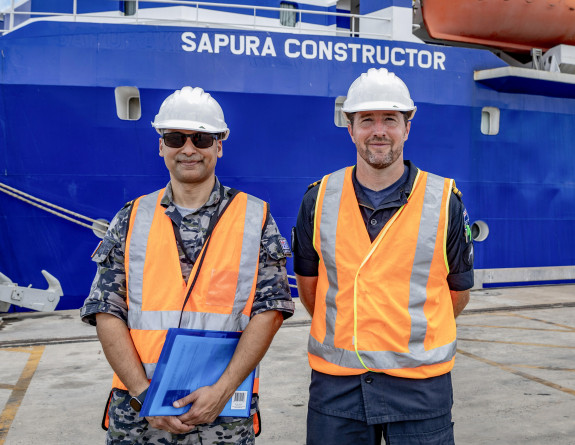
x=127 y=428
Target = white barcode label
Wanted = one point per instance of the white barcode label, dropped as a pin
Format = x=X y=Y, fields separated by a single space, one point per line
x=239 y=400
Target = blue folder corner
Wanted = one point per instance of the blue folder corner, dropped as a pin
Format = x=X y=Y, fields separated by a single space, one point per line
x=189 y=360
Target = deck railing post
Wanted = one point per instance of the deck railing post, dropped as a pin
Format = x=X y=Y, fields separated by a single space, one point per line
x=299 y=21
x=12 y=16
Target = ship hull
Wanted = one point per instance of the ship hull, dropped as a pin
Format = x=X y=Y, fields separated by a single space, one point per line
x=62 y=141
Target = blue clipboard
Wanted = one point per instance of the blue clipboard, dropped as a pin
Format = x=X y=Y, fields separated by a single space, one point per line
x=189 y=360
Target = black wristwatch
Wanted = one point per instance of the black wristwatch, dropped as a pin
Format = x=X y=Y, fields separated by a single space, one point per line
x=137 y=402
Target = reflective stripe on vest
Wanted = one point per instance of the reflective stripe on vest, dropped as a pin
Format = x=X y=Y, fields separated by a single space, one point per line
x=433 y=192
x=223 y=294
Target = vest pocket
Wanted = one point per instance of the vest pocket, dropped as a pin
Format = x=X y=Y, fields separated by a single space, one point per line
x=222 y=288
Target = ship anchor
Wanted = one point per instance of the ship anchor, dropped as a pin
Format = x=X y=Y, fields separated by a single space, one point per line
x=28 y=297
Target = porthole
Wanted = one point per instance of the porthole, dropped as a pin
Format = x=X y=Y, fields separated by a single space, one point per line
x=479 y=230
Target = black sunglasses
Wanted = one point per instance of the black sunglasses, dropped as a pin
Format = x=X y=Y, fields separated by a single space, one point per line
x=178 y=140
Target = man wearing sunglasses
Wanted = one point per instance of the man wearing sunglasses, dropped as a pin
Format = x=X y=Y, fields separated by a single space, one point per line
x=383 y=260
x=194 y=255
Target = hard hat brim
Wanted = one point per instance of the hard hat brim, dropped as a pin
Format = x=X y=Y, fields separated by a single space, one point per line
x=378 y=106
x=177 y=124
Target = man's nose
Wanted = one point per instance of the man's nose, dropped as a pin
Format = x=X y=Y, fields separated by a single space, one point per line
x=379 y=127
x=189 y=148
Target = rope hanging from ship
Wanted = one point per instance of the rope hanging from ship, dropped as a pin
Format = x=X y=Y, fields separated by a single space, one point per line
x=98 y=226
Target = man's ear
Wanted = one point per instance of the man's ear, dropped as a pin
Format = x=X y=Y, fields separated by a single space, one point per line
x=350 y=131
x=407 y=128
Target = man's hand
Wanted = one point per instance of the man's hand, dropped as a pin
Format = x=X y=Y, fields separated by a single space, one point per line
x=207 y=404
x=171 y=424
x=209 y=401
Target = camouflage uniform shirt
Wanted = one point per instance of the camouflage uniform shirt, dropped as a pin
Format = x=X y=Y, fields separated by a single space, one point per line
x=108 y=292
x=108 y=295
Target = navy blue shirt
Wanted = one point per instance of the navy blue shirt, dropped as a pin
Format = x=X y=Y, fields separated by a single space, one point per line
x=376 y=397
x=459 y=244
x=375 y=198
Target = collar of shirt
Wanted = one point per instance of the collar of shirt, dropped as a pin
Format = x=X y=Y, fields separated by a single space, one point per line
x=210 y=206
x=398 y=196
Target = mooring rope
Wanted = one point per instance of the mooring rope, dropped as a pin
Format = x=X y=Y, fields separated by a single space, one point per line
x=98 y=226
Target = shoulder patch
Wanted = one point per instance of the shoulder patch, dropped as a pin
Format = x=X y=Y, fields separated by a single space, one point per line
x=277 y=247
x=285 y=247
x=313 y=184
x=103 y=250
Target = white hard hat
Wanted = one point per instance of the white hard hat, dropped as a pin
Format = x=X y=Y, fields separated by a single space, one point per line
x=378 y=89
x=191 y=109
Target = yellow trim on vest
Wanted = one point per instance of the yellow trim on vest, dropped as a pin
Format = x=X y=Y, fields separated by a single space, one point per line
x=337 y=350
x=373 y=247
x=322 y=186
x=215 y=312
x=447 y=201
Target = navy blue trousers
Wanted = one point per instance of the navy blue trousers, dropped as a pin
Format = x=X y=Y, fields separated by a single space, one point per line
x=324 y=429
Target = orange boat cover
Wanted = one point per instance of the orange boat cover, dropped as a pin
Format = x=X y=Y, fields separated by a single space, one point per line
x=511 y=25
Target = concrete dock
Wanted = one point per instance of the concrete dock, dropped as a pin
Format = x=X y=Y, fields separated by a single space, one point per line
x=514 y=377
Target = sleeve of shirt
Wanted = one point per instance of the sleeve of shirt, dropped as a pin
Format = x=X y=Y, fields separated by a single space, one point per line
x=459 y=247
x=108 y=291
x=272 y=287
x=306 y=259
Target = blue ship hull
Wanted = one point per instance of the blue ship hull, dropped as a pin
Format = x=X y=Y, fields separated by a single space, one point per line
x=62 y=141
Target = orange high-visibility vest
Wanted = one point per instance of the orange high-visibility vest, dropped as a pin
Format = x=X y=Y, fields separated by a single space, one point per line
x=383 y=306
x=223 y=294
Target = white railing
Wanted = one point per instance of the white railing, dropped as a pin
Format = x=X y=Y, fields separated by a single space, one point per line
x=223 y=19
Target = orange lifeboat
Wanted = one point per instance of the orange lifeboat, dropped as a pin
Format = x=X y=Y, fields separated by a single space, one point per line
x=511 y=25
